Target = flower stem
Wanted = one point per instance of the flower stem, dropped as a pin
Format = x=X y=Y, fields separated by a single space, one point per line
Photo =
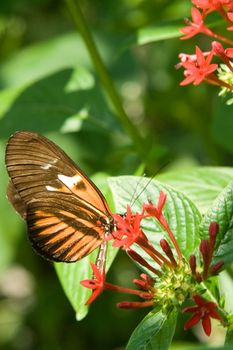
x=120 y=289
x=213 y=80
x=222 y=38
x=173 y=239
x=101 y=70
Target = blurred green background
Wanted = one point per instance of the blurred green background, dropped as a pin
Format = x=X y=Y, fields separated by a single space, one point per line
x=49 y=85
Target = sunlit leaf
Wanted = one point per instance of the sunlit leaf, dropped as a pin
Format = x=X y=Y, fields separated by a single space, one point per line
x=154 y=332
x=221 y=212
x=201 y=184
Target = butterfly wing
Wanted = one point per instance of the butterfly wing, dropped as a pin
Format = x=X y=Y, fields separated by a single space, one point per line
x=66 y=214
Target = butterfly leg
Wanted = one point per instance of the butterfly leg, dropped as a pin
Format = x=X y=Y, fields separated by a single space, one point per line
x=101 y=257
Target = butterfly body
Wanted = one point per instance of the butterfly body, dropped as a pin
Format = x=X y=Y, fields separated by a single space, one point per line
x=66 y=214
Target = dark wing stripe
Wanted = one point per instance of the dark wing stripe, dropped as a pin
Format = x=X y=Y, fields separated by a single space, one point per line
x=62 y=201
x=74 y=251
x=55 y=237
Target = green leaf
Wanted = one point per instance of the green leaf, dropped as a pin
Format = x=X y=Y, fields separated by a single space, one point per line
x=221 y=212
x=62 y=101
x=182 y=215
x=43 y=58
x=149 y=34
x=155 y=332
x=200 y=184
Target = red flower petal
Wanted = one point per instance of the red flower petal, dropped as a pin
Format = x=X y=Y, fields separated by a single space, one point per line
x=193 y=321
x=206 y=324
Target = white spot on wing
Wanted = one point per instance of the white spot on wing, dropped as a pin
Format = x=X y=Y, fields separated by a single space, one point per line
x=46 y=166
x=70 y=181
x=51 y=188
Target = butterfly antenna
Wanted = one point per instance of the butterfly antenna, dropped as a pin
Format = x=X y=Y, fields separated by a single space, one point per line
x=148 y=182
x=134 y=197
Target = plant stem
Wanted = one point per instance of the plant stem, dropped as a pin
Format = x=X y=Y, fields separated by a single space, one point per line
x=101 y=70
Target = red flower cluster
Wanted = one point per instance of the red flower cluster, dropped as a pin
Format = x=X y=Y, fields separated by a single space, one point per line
x=206 y=249
x=128 y=232
x=204 y=310
x=198 y=67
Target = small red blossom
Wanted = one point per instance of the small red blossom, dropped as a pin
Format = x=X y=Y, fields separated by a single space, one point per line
x=97 y=284
x=229 y=51
x=218 y=49
x=214 y=269
x=196 y=72
x=211 y=5
x=188 y=58
x=224 y=54
x=144 y=282
x=167 y=250
x=128 y=230
x=230 y=18
x=137 y=257
x=195 y=26
x=204 y=311
x=157 y=211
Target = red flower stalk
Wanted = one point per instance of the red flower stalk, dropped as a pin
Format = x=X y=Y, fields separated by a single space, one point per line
x=199 y=70
x=196 y=25
x=145 y=282
x=134 y=304
x=193 y=264
x=213 y=231
x=219 y=51
x=167 y=250
x=214 y=269
x=205 y=250
x=156 y=212
x=135 y=256
x=97 y=284
x=204 y=311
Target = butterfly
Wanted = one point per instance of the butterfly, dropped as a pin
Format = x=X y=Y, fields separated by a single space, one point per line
x=66 y=214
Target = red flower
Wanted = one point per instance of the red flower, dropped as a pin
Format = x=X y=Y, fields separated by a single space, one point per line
x=229 y=51
x=203 y=311
x=157 y=211
x=145 y=282
x=224 y=54
x=128 y=229
x=196 y=26
x=97 y=284
x=230 y=17
x=196 y=72
x=211 y=5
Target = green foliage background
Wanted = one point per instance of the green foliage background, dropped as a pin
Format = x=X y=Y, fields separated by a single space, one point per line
x=49 y=85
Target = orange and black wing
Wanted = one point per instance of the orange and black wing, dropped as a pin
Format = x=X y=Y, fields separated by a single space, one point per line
x=66 y=214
